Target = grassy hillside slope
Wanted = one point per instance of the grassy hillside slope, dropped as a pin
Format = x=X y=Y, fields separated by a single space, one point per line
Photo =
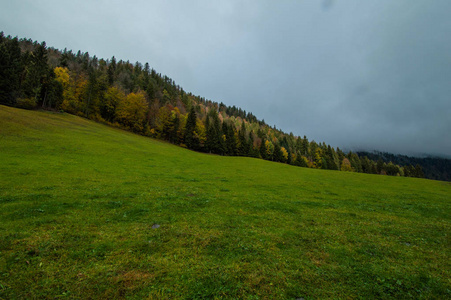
x=80 y=204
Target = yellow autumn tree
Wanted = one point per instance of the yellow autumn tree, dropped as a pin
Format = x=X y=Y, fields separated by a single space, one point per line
x=69 y=103
x=113 y=96
x=269 y=149
x=62 y=76
x=200 y=132
x=318 y=158
x=75 y=94
x=284 y=154
x=81 y=86
x=131 y=111
x=163 y=122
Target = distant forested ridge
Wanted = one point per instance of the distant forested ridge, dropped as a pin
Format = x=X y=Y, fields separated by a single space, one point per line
x=436 y=168
x=137 y=98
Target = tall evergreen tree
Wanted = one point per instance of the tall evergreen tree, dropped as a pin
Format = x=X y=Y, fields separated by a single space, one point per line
x=379 y=166
x=252 y=151
x=36 y=71
x=263 y=153
x=220 y=144
x=355 y=162
x=214 y=143
x=209 y=133
x=190 y=138
x=419 y=171
x=243 y=144
x=51 y=91
x=277 y=154
x=300 y=161
x=304 y=146
x=91 y=92
x=175 y=124
x=111 y=71
x=329 y=158
x=229 y=132
x=10 y=70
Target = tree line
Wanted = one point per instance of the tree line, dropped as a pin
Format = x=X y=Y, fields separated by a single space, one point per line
x=137 y=98
x=433 y=167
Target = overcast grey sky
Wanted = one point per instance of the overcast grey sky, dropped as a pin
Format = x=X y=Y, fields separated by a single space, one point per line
x=373 y=74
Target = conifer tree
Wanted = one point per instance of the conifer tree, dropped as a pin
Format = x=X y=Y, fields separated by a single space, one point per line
x=366 y=164
x=91 y=92
x=277 y=154
x=298 y=145
x=319 y=162
x=51 y=91
x=312 y=150
x=243 y=144
x=329 y=158
x=10 y=70
x=209 y=133
x=37 y=70
x=214 y=142
x=253 y=152
x=219 y=141
x=355 y=161
x=263 y=153
x=419 y=171
x=380 y=166
x=300 y=161
x=231 y=144
x=190 y=138
x=373 y=168
x=111 y=71
x=175 y=124
x=305 y=146
x=224 y=139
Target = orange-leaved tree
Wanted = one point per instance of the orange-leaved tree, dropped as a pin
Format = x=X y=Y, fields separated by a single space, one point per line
x=346 y=165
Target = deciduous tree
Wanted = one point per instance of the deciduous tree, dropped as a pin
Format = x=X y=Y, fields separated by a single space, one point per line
x=346 y=165
x=131 y=111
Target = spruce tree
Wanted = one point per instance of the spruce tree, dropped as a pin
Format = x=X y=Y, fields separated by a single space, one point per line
x=263 y=153
x=219 y=141
x=225 y=130
x=231 y=140
x=290 y=159
x=190 y=138
x=277 y=155
x=419 y=171
x=252 y=151
x=243 y=145
x=209 y=133
x=304 y=146
x=173 y=134
x=214 y=143
x=10 y=70
x=300 y=161
x=111 y=71
x=37 y=70
x=379 y=166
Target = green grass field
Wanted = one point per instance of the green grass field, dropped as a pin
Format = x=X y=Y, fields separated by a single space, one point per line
x=80 y=204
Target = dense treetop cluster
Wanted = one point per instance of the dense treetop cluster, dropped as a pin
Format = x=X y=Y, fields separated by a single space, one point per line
x=137 y=98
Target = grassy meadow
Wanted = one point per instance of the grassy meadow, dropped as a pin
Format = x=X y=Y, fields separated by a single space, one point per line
x=90 y=211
